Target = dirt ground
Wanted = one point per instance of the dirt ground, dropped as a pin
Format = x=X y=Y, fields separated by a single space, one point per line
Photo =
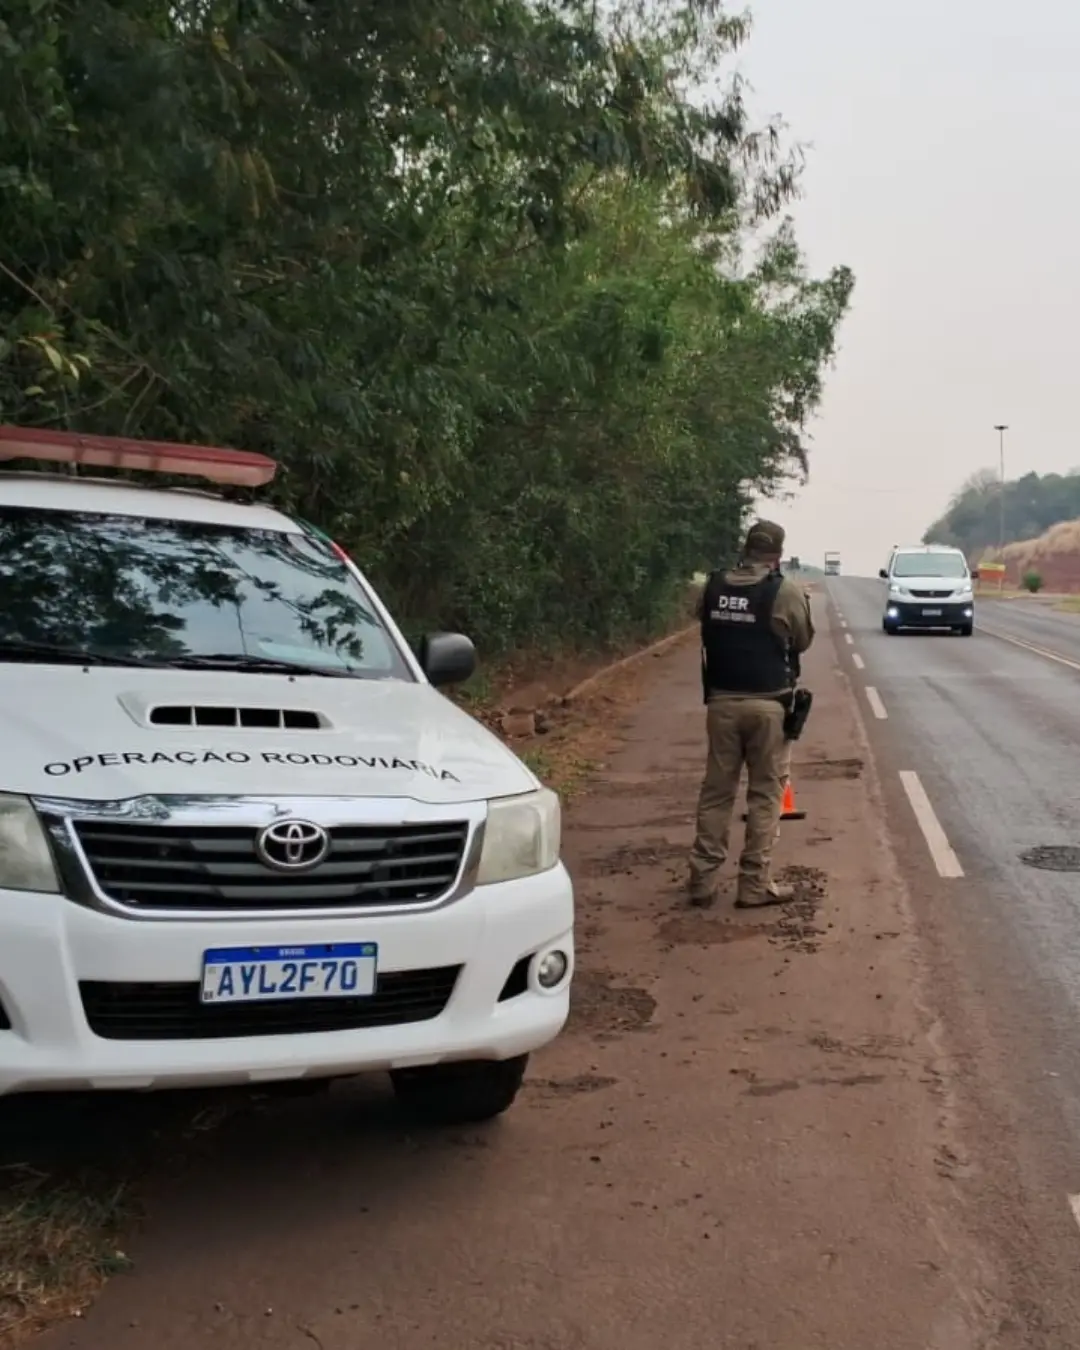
x=744 y=1139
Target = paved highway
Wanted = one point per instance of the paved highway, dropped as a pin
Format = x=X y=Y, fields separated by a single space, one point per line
x=977 y=746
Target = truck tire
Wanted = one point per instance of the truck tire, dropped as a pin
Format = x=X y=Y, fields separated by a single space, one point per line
x=464 y=1093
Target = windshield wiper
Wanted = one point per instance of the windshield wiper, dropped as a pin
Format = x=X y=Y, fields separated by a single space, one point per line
x=77 y=656
x=255 y=665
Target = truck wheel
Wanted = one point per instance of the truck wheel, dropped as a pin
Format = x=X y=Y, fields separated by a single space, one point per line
x=965 y=629
x=889 y=628
x=459 y=1094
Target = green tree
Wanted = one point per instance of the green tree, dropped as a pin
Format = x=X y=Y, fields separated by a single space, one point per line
x=476 y=273
x=1031 y=505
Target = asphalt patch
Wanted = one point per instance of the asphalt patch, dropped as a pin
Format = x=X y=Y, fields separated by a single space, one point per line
x=1053 y=858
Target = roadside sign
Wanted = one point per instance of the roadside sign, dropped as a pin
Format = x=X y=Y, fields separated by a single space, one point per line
x=992 y=571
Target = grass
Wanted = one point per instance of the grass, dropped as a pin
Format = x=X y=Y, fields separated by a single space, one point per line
x=561 y=768
x=59 y=1242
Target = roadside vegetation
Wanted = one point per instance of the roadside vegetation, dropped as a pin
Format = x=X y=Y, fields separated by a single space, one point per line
x=522 y=318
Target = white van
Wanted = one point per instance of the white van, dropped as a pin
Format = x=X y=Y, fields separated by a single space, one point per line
x=243 y=839
x=928 y=587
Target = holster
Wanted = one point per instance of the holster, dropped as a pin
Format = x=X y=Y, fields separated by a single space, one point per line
x=796 y=710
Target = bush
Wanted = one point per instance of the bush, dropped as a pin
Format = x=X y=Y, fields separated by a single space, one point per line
x=1032 y=581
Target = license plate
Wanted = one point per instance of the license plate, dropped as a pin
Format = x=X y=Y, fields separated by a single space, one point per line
x=255 y=974
x=931 y=613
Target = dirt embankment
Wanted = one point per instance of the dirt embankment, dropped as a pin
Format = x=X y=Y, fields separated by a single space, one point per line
x=1055 y=555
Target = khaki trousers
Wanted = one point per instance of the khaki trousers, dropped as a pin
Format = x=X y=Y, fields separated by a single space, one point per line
x=750 y=732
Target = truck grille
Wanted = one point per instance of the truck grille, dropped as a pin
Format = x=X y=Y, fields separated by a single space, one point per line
x=931 y=595
x=172 y=1012
x=169 y=867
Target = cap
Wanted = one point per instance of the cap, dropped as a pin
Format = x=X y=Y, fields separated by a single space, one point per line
x=765 y=536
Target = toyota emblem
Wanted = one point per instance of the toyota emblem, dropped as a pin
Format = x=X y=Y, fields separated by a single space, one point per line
x=292 y=845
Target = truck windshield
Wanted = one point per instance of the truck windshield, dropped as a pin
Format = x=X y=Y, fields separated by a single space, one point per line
x=121 y=589
x=929 y=565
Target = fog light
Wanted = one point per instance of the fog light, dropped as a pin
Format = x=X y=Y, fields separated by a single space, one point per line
x=892 y=612
x=551 y=969
x=968 y=613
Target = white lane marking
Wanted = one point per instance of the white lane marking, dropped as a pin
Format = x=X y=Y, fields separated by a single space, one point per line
x=1074 y=1205
x=941 y=851
x=1029 y=647
x=876 y=705
x=849 y=639
x=860 y=664
x=843 y=623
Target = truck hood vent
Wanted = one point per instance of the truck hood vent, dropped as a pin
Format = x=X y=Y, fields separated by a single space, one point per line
x=251 y=719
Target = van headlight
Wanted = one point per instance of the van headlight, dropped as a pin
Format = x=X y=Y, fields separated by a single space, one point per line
x=895 y=589
x=523 y=837
x=964 y=588
x=26 y=864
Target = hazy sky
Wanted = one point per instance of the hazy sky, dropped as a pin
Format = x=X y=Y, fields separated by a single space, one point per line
x=942 y=145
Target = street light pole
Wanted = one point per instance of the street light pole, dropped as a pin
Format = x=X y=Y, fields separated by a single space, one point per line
x=1001 y=429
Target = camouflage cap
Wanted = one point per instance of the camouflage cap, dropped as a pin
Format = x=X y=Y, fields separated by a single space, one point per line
x=764 y=537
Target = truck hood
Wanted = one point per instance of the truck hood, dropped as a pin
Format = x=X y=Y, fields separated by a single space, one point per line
x=88 y=734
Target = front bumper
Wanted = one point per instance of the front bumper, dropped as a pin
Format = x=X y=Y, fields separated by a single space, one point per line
x=463 y=976
x=907 y=613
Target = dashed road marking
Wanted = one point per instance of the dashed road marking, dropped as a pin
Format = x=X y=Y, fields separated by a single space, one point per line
x=860 y=664
x=849 y=639
x=876 y=705
x=1074 y=1205
x=941 y=851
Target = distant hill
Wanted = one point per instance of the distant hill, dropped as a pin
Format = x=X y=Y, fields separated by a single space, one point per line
x=1033 y=504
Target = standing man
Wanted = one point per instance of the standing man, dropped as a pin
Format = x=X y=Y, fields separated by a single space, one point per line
x=755 y=624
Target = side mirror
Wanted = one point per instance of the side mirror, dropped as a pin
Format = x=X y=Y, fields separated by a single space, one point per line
x=447 y=658
x=883 y=574
x=974 y=574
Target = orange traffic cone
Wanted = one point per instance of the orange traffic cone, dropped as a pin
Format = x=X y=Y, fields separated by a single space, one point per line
x=788 y=810
x=787 y=806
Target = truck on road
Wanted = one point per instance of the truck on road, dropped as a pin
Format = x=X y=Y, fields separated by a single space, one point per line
x=832 y=564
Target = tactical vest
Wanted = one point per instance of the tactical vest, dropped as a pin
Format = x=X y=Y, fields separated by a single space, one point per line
x=740 y=652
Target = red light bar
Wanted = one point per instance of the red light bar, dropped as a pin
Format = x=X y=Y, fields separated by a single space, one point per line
x=237 y=468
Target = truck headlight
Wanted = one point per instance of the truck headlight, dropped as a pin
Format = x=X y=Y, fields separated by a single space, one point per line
x=894 y=589
x=26 y=864
x=523 y=837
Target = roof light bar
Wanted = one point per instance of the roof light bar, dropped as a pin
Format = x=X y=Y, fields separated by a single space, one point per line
x=236 y=468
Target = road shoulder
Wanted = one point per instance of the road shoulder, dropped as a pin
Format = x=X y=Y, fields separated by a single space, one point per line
x=744 y=1138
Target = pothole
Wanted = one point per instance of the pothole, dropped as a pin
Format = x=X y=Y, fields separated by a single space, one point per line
x=1053 y=858
x=701 y=929
x=628 y=857
x=597 y=1004
x=824 y=769
x=569 y=1087
x=797 y=929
